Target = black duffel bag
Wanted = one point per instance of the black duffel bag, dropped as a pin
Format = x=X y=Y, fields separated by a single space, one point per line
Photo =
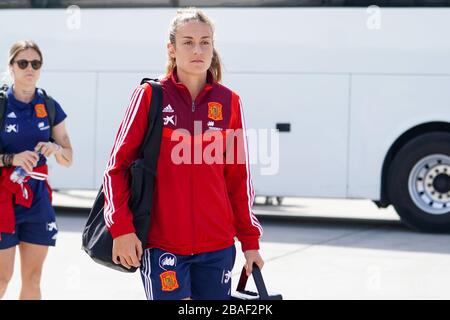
x=97 y=241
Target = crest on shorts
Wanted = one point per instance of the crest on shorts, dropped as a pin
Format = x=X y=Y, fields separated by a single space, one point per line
x=40 y=110
x=169 y=281
x=215 y=111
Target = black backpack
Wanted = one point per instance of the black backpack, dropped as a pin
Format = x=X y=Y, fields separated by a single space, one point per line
x=97 y=241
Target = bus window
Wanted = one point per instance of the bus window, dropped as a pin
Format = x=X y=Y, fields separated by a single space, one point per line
x=397 y=3
x=250 y=3
x=117 y=3
x=219 y=3
x=314 y=3
x=11 y=4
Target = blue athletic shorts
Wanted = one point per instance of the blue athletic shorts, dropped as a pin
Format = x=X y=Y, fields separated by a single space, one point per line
x=204 y=276
x=36 y=224
x=43 y=233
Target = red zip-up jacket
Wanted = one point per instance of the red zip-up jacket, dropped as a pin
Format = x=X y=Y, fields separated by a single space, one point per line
x=12 y=193
x=199 y=203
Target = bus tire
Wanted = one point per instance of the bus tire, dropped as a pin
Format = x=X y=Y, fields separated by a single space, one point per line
x=418 y=182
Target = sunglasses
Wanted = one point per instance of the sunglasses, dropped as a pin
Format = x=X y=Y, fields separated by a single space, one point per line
x=23 y=64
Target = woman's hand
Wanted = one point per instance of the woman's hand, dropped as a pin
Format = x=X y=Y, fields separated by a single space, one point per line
x=47 y=148
x=252 y=256
x=127 y=250
x=27 y=160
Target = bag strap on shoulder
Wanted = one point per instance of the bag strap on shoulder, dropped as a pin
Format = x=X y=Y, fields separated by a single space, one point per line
x=3 y=98
x=50 y=108
x=152 y=138
x=48 y=101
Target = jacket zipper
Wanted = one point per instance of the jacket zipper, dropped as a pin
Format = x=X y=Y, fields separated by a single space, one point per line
x=193 y=158
x=192 y=176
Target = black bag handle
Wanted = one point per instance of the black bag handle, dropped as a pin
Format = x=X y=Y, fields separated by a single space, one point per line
x=259 y=281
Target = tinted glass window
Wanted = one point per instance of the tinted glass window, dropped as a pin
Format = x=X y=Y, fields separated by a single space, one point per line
x=219 y=3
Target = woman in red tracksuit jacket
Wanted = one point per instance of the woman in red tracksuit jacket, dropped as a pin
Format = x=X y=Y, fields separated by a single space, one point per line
x=203 y=191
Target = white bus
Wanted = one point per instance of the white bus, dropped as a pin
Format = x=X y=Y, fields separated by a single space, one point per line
x=360 y=95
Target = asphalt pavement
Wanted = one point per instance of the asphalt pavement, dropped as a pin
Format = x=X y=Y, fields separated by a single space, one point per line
x=313 y=249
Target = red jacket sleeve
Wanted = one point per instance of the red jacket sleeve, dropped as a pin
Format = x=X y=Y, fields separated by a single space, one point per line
x=239 y=183
x=132 y=130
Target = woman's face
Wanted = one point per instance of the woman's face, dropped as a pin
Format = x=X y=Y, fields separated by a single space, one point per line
x=193 y=50
x=28 y=76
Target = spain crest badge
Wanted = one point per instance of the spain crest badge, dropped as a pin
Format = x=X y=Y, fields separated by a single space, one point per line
x=215 y=111
x=169 y=281
x=40 y=110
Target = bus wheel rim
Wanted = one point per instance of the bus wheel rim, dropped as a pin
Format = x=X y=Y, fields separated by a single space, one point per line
x=429 y=184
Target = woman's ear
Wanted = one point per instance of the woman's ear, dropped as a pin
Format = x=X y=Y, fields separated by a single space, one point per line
x=11 y=71
x=171 y=50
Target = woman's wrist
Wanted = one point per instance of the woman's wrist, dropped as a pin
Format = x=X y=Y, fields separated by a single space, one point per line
x=58 y=148
x=7 y=159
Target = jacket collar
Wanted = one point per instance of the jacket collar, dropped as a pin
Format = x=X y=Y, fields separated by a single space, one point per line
x=174 y=78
